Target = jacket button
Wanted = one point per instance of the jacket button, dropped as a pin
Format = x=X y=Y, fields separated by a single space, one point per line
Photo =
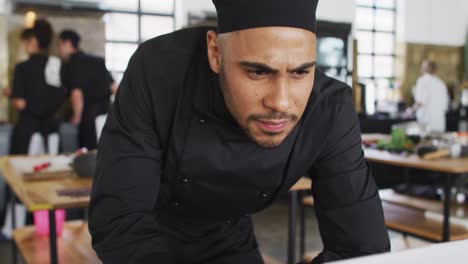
x=263 y=195
x=185 y=180
x=175 y=204
x=202 y=121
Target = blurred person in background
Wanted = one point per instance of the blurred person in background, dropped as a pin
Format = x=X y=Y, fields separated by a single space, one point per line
x=37 y=92
x=431 y=98
x=90 y=85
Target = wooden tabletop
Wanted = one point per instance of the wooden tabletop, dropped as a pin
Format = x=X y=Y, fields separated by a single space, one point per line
x=302 y=185
x=42 y=195
x=445 y=165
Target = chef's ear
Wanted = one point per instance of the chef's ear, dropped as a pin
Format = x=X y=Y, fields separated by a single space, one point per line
x=214 y=51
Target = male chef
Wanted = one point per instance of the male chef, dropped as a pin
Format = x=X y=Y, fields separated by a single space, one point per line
x=211 y=125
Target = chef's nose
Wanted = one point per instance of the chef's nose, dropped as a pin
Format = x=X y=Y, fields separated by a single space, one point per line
x=278 y=98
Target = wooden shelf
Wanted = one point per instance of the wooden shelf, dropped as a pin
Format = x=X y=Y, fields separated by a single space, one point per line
x=413 y=222
x=390 y=196
x=406 y=214
x=74 y=245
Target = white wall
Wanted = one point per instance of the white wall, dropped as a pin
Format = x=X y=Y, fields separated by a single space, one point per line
x=337 y=10
x=433 y=21
x=327 y=10
x=5 y=6
x=2 y=6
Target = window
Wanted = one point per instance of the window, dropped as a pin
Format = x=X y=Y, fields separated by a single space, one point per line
x=130 y=22
x=375 y=32
x=332 y=48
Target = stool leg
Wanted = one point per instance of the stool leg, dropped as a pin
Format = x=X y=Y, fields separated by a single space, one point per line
x=406 y=241
x=52 y=238
x=14 y=251
x=292 y=227
x=302 y=226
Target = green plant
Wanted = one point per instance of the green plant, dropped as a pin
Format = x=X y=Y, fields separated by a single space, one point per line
x=398 y=142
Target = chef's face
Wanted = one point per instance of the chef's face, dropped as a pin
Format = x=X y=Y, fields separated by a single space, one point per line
x=31 y=46
x=266 y=77
x=65 y=49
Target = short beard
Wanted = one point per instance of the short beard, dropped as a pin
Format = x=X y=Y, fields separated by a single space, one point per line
x=266 y=144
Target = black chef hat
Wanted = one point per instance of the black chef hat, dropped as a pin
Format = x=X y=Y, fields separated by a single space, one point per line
x=236 y=15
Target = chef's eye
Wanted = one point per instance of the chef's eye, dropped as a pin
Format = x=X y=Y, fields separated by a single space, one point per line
x=299 y=74
x=258 y=74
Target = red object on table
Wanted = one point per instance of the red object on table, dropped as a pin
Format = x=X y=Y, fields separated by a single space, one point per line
x=41 y=166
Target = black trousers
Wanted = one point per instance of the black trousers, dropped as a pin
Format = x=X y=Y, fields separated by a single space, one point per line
x=26 y=126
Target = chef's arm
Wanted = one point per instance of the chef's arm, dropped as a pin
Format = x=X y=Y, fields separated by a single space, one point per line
x=346 y=198
x=77 y=102
x=127 y=181
x=420 y=95
x=114 y=87
x=18 y=92
x=19 y=103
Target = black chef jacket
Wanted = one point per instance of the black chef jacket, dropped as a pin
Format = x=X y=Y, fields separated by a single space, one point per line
x=89 y=73
x=42 y=102
x=177 y=177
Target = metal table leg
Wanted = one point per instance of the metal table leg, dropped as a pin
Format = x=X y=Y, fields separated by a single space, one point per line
x=406 y=176
x=14 y=251
x=447 y=203
x=292 y=227
x=52 y=237
x=302 y=226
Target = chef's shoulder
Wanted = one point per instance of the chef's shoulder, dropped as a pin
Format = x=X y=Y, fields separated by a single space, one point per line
x=19 y=67
x=332 y=91
x=91 y=59
x=329 y=118
x=164 y=61
x=161 y=66
x=173 y=52
x=29 y=64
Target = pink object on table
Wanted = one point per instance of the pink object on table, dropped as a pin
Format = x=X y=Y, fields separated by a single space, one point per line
x=41 y=221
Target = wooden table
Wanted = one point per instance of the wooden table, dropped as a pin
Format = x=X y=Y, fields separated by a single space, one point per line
x=42 y=195
x=445 y=167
